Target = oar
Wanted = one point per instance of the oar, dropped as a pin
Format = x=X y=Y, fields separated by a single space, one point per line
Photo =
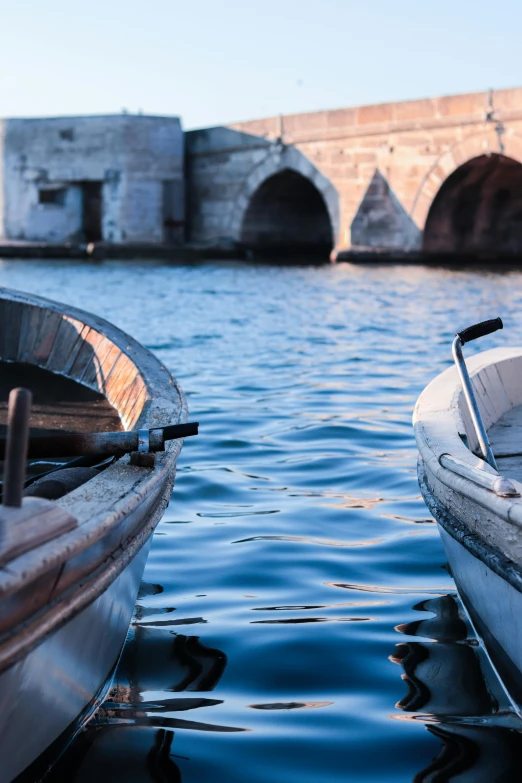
x=103 y=444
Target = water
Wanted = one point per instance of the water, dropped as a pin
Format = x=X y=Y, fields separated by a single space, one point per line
x=296 y=574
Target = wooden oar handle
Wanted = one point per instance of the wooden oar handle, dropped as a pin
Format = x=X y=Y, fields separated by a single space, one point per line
x=18 y=412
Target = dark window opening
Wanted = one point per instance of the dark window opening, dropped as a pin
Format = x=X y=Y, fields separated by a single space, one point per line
x=55 y=196
x=67 y=134
x=173 y=212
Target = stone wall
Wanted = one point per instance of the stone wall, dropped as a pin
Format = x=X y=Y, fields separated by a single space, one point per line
x=377 y=168
x=52 y=168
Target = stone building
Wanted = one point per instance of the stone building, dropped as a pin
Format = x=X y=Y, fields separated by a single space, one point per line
x=89 y=179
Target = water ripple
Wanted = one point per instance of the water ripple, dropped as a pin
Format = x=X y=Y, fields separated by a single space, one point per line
x=301 y=484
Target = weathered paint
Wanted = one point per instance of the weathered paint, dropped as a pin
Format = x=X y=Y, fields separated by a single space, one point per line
x=131 y=156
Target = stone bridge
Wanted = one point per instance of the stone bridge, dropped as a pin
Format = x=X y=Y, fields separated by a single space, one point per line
x=441 y=175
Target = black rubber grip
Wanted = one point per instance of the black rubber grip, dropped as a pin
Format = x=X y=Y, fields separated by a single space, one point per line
x=175 y=431
x=480 y=330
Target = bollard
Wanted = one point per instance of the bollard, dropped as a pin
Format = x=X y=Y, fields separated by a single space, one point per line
x=18 y=413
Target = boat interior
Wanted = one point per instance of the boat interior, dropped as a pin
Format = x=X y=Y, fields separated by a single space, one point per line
x=498 y=390
x=505 y=437
x=59 y=404
x=81 y=381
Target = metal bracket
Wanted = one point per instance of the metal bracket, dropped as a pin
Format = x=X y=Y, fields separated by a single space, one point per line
x=144 y=457
x=143 y=440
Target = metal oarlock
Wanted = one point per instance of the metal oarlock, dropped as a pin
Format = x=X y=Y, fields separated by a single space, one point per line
x=465 y=336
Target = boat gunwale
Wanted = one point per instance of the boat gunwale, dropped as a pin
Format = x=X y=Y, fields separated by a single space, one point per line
x=51 y=617
x=438 y=426
x=489 y=554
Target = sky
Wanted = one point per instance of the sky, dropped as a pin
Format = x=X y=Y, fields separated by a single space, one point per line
x=213 y=62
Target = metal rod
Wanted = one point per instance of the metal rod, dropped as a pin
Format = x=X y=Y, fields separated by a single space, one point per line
x=18 y=413
x=469 y=394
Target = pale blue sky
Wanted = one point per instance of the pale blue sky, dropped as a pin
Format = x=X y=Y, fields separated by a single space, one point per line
x=212 y=62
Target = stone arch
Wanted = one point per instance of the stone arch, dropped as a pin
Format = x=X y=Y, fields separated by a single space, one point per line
x=279 y=159
x=493 y=140
x=478 y=208
x=287 y=216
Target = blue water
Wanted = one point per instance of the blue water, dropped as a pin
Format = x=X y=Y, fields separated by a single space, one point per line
x=296 y=553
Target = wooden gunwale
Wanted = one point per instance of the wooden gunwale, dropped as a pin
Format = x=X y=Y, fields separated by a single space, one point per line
x=105 y=503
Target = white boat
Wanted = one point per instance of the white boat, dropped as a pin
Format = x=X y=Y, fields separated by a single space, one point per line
x=468 y=427
x=73 y=542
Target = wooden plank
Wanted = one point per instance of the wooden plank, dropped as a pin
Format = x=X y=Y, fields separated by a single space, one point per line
x=11 y=319
x=45 y=338
x=125 y=396
x=105 y=367
x=510 y=371
x=496 y=391
x=486 y=405
x=117 y=377
x=505 y=436
x=25 y=528
x=66 y=344
x=87 y=358
x=32 y=318
x=135 y=408
x=75 y=350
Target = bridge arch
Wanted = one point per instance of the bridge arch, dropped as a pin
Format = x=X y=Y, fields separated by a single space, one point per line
x=478 y=208
x=288 y=177
x=487 y=143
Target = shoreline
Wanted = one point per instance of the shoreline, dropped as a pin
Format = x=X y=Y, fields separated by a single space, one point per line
x=199 y=253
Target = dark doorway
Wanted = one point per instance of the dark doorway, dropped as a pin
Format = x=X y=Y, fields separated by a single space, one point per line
x=173 y=212
x=92 y=211
x=286 y=216
x=478 y=209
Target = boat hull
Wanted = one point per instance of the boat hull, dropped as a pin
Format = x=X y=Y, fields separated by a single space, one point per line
x=490 y=588
x=42 y=695
x=495 y=609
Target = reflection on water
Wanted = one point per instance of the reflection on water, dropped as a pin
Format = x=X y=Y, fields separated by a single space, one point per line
x=452 y=687
x=148 y=655
x=297 y=541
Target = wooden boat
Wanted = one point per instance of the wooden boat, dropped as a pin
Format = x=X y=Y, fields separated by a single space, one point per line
x=468 y=427
x=70 y=567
